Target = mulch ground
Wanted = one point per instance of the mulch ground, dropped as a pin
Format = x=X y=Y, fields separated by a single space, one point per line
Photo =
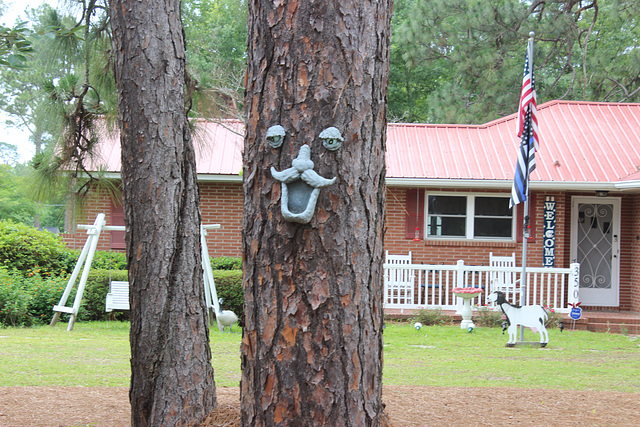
x=406 y=406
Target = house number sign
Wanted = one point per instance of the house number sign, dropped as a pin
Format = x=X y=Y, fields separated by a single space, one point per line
x=549 y=241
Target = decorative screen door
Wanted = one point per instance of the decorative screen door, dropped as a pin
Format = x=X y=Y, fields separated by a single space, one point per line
x=595 y=244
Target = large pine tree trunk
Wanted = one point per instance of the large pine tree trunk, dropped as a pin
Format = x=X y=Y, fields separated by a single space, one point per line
x=312 y=344
x=171 y=372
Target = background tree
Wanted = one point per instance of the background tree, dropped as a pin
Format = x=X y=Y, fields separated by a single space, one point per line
x=312 y=344
x=8 y=154
x=14 y=45
x=66 y=95
x=23 y=95
x=410 y=82
x=14 y=205
x=216 y=33
x=584 y=51
x=172 y=377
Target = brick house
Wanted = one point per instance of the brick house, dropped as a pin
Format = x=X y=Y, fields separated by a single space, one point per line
x=449 y=188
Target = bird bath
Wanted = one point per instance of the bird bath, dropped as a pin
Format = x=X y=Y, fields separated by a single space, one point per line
x=466 y=294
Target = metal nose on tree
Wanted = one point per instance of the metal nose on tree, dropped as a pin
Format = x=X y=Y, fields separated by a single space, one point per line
x=300 y=187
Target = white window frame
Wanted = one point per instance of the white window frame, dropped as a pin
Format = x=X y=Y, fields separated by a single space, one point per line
x=470 y=217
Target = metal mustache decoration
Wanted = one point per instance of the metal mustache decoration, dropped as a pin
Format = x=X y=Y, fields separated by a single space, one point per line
x=300 y=183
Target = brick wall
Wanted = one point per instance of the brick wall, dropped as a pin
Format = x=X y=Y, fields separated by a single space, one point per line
x=449 y=251
x=634 y=261
x=626 y=253
x=97 y=202
x=221 y=203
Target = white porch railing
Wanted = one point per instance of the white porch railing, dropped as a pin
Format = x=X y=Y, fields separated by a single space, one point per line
x=416 y=286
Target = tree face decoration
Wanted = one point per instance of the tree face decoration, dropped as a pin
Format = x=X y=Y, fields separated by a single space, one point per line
x=300 y=183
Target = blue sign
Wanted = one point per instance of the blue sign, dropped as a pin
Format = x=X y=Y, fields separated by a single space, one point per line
x=549 y=234
x=576 y=313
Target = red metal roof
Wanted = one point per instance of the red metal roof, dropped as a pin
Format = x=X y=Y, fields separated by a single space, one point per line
x=581 y=143
x=218 y=149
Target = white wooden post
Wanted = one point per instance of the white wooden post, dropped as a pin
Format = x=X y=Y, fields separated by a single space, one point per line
x=90 y=246
x=210 y=293
x=573 y=291
x=86 y=258
x=71 y=282
x=459 y=284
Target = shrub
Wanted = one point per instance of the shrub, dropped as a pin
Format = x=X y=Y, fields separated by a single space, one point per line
x=103 y=260
x=487 y=317
x=42 y=294
x=27 y=249
x=226 y=263
x=13 y=301
x=429 y=317
x=95 y=294
x=229 y=288
x=554 y=318
x=25 y=301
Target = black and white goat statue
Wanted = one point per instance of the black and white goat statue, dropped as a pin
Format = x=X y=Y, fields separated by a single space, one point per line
x=530 y=316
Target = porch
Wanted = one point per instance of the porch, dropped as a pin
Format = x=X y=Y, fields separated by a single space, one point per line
x=416 y=286
x=411 y=287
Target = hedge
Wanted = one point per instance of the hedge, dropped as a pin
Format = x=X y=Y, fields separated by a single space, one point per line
x=103 y=260
x=27 y=249
x=26 y=301
x=95 y=294
x=226 y=263
x=13 y=305
x=229 y=288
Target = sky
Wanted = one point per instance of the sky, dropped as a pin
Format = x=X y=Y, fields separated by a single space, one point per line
x=14 y=136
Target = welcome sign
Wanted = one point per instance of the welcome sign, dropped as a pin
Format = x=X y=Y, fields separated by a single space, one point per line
x=549 y=241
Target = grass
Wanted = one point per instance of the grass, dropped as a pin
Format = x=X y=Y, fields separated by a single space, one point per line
x=97 y=354
x=448 y=356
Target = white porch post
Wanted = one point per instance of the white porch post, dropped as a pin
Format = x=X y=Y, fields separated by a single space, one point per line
x=573 y=291
x=459 y=284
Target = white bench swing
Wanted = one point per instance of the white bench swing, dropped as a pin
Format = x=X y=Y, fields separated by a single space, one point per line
x=118 y=296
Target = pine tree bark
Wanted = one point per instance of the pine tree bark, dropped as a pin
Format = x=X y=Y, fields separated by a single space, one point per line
x=312 y=343
x=171 y=373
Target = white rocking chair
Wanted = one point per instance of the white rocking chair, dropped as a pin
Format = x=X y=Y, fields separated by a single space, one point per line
x=504 y=281
x=399 y=283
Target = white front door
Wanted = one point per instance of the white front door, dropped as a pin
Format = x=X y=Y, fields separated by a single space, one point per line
x=595 y=244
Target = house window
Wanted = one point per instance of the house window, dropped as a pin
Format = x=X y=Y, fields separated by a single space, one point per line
x=493 y=217
x=447 y=216
x=469 y=217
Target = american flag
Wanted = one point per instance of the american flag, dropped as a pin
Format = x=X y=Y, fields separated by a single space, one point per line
x=527 y=131
x=525 y=165
x=528 y=99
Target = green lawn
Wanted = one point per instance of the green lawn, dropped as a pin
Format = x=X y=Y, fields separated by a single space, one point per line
x=449 y=356
x=97 y=354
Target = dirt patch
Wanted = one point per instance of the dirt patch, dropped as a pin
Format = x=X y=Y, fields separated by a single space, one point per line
x=406 y=406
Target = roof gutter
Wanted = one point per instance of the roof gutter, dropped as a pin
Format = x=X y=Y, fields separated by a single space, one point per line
x=219 y=178
x=201 y=177
x=507 y=184
x=495 y=184
x=633 y=185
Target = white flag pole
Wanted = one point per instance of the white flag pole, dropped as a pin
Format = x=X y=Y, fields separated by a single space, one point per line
x=525 y=230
